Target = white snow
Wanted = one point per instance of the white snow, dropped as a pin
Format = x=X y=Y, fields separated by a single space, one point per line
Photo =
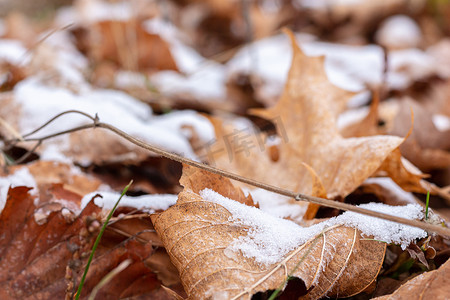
x=201 y=78
x=399 y=31
x=207 y=83
x=271 y=238
x=39 y=103
x=13 y=51
x=351 y=116
x=147 y=203
x=88 y=11
x=442 y=122
x=352 y=68
x=390 y=185
x=21 y=177
x=277 y=205
x=57 y=53
x=348 y=67
x=408 y=65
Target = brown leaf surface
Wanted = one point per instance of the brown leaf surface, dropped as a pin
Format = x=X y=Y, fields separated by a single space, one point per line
x=428 y=148
x=45 y=260
x=429 y=285
x=34 y=257
x=195 y=179
x=196 y=234
x=127 y=45
x=305 y=118
x=406 y=176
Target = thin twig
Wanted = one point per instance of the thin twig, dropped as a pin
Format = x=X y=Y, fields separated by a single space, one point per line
x=56 y=117
x=29 y=152
x=299 y=197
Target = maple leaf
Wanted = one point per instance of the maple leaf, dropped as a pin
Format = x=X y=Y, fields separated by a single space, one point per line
x=305 y=118
x=199 y=235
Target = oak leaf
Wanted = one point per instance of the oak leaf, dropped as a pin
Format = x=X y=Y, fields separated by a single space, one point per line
x=198 y=235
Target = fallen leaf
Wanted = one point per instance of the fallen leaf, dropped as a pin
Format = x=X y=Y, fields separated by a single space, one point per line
x=46 y=260
x=305 y=118
x=368 y=125
x=427 y=147
x=127 y=44
x=403 y=173
x=196 y=179
x=197 y=235
x=428 y=285
x=34 y=257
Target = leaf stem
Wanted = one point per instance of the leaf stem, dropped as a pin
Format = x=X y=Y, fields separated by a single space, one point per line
x=97 y=241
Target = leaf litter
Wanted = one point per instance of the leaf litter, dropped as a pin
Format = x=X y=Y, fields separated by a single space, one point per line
x=216 y=240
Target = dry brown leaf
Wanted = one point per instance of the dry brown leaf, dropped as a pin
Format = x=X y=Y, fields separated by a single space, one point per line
x=427 y=147
x=305 y=117
x=58 y=185
x=408 y=179
x=429 y=285
x=317 y=191
x=44 y=261
x=368 y=125
x=197 y=179
x=34 y=257
x=127 y=45
x=196 y=234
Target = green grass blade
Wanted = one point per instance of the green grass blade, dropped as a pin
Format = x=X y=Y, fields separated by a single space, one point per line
x=426 y=205
x=97 y=241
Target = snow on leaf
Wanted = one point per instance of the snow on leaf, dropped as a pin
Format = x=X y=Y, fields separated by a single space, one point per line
x=222 y=247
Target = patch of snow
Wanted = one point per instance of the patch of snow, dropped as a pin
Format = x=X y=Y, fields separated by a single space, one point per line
x=325 y=4
x=360 y=99
x=269 y=59
x=348 y=67
x=125 y=79
x=207 y=83
x=39 y=103
x=406 y=66
x=277 y=205
x=390 y=185
x=201 y=78
x=65 y=57
x=21 y=177
x=177 y=120
x=13 y=51
x=88 y=11
x=442 y=122
x=187 y=59
x=387 y=231
x=147 y=203
x=270 y=238
x=53 y=152
x=399 y=31
x=351 y=116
